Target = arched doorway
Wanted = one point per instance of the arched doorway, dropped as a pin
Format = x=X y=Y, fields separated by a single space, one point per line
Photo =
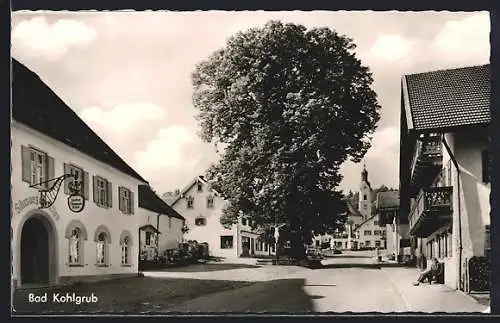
x=35 y=252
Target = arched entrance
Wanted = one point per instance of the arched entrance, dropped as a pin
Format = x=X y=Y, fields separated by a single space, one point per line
x=37 y=251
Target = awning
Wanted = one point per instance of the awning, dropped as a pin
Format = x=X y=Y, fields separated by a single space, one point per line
x=149 y=228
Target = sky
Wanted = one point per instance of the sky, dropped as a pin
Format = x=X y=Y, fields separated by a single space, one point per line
x=128 y=74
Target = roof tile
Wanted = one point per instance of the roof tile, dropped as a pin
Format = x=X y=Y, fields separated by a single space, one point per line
x=449 y=98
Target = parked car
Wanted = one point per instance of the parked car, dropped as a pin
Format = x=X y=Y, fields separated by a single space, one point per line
x=314 y=253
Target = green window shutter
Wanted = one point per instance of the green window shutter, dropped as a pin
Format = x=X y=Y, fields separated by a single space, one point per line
x=95 y=192
x=26 y=164
x=85 y=186
x=131 y=202
x=67 y=170
x=110 y=194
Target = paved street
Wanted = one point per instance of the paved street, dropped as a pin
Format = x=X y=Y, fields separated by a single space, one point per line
x=352 y=282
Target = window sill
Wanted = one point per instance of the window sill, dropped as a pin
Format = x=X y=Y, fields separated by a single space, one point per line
x=76 y=265
x=103 y=206
x=101 y=265
x=126 y=265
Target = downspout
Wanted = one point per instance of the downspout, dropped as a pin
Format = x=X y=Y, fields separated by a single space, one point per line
x=460 y=247
x=157 y=234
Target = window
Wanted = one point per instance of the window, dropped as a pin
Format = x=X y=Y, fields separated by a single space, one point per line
x=367 y=243
x=266 y=247
x=375 y=222
x=243 y=221
x=210 y=201
x=200 y=187
x=317 y=243
x=101 y=249
x=200 y=221
x=367 y=233
x=364 y=197
x=126 y=200
x=147 y=241
x=170 y=222
x=126 y=251
x=37 y=166
x=190 y=202
x=486 y=166
x=75 y=247
x=377 y=244
x=377 y=232
x=226 y=242
x=487 y=243
x=103 y=192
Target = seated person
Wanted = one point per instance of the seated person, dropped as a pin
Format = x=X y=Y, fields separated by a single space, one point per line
x=430 y=273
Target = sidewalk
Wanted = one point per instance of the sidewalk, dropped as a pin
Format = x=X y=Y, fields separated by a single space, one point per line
x=429 y=298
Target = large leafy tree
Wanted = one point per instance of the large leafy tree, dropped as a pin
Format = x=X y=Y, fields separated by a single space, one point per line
x=290 y=106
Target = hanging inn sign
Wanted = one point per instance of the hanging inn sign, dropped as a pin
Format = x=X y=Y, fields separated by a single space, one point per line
x=50 y=189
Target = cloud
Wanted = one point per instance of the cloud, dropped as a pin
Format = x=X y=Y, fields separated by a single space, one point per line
x=167 y=150
x=39 y=38
x=124 y=118
x=383 y=140
x=381 y=160
x=466 y=40
x=391 y=48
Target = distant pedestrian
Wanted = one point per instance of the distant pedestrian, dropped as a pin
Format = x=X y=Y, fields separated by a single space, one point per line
x=379 y=257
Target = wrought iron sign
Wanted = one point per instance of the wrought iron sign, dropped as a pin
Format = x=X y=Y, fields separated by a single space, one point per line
x=50 y=189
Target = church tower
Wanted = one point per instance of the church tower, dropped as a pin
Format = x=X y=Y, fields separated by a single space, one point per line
x=365 y=195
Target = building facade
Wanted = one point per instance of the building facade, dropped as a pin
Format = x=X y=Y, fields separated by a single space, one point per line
x=397 y=238
x=202 y=208
x=371 y=233
x=51 y=244
x=160 y=225
x=445 y=171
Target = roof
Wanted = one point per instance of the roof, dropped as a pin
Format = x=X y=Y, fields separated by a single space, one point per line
x=189 y=186
x=38 y=107
x=388 y=200
x=364 y=222
x=150 y=201
x=352 y=210
x=447 y=98
x=149 y=227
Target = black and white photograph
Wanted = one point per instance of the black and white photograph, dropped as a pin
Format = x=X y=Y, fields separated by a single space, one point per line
x=293 y=162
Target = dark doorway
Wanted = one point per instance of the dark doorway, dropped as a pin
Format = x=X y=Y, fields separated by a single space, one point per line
x=34 y=252
x=252 y=246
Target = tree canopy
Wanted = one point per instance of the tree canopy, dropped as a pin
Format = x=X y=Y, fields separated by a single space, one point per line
x=290 y=105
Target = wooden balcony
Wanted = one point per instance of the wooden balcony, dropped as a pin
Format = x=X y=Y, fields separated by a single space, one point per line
x=427 y=161
x=432 y=209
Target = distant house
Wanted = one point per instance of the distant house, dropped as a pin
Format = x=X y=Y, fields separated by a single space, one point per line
x=347 y=238
x=397 y=233
x=361 y=210
x=445 y=171
x=202 y=208
x=371 y=233
x=160 y=225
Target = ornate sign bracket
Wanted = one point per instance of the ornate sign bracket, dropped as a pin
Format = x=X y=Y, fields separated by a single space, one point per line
x=50 y=189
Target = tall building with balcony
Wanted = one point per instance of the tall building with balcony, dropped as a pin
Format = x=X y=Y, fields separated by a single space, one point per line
x=445 y=171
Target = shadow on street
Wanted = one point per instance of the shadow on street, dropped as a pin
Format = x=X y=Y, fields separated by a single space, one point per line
x=198 y=268
x=172 y=295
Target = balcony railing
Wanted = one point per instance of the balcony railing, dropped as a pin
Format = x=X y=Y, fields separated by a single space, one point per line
x=428 y=152
x=431 y=207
